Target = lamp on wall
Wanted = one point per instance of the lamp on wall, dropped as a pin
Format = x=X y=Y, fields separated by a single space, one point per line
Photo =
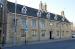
x=50 y=24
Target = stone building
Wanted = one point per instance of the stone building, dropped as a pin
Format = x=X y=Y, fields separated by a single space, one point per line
x=3 y=20
x=35 y=24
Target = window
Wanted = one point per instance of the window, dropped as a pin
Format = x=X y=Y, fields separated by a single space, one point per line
x=39 y=13
x=43 y=33
x=42 y=24
x=33 y=23
x=25 y=25
x=63 y=18
x=1 y=6
x=24 y=10
x=33 y=33
x=48 y=15
x=57 y=33
x=23 y=34
x=55 y=17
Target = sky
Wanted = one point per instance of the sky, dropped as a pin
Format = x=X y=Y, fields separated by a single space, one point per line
x=53 y=6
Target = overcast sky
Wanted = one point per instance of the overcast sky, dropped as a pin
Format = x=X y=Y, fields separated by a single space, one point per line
x=54 y=6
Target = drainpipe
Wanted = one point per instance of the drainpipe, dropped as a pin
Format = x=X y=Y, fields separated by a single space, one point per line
x=60 y=31
x=15 y=23
x=38 y=29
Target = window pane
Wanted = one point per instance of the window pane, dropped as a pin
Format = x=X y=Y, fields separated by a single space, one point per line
x=42 y=23
x=34 y=33
x=25 y=25
x=43 y=33
x=33 y=23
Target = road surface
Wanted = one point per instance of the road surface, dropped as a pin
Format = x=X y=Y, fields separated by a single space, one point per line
x=66 y=44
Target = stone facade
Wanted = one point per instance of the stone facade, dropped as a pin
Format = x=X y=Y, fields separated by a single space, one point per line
x=58 y=30
x=34 y=25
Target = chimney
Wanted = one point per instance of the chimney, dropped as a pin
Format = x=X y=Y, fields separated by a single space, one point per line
x=62 y=13
x=45 y=6
x=41 y=5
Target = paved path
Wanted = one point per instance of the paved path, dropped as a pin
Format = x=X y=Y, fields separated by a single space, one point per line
x=65 y=44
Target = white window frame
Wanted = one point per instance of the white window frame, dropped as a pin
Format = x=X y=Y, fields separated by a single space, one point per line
x=33 y=33
x=55 y=17
x=48 y=15
x=24 y=10
x=24 y=23
x=33 y=23
x=39 y=13
x=63 y=19
x=42 y=26
x=43 y=33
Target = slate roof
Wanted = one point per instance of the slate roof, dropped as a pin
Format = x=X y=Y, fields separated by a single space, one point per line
x=33 y=12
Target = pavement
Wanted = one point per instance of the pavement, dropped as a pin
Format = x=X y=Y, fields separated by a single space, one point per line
x=52 y=40
x=48 y=44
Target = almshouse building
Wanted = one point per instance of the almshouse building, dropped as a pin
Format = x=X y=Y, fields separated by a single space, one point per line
x=35 y=24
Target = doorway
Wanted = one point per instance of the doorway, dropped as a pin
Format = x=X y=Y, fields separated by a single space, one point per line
x=50 y=34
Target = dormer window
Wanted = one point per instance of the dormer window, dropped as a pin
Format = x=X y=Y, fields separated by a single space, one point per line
x=55 y=17
x=48 y=15
x=24 y=10
x=39 y=13
x=63 y=18
x=1 y=6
